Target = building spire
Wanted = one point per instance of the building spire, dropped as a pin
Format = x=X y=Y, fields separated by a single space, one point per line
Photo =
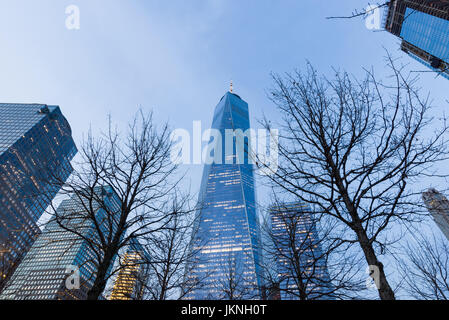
x=231 y=87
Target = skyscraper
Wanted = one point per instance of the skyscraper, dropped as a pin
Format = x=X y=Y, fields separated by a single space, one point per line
x=58 y=254
x=423 y=26
x=36 y=147
x=227 y=236
x=131 y=278
x=438 y=206
x=298 y=253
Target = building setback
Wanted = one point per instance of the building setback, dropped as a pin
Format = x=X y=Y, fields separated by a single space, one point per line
x=36 y=147
x=438 y=206
x=423 y=26
x=44 y=272
x=227 y=237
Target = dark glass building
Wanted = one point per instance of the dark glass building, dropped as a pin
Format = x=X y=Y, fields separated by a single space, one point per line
x=44 y=272
x=423 y=26
x=298 y=253
x=227 y=237
x=36 y=147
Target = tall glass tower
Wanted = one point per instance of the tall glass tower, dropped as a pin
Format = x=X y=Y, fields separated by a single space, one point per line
x=58 y=254
x=423 y=27
x=36 y=146
x=227 y=237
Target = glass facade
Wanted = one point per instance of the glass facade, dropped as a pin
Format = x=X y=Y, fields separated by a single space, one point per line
x=427 y=32
x=227 y=237
x=132 y=275
x=424 y=30
x=294 y=222
x=36 y=147
x=57 y=252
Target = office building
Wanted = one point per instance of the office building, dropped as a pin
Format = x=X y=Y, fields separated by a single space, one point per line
x=423 y=27
x=36 y=147
x=227 y=236
x=61 y=265
x=298 y=253
x=438 y=206
x=132 y=275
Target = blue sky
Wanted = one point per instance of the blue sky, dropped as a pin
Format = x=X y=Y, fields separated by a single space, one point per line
x=174 y=57
x=177 y=57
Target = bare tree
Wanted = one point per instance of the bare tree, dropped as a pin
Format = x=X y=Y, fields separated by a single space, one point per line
x=426 y=268
x=171 y=255
x=371 y=7
x=305 y=257
x=132 y=272
x=363 y=12
x=232 y=283
x=135 y=168
x=353 y=148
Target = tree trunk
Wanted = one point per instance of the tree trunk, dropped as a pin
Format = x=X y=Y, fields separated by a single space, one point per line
x=100 y=280
x=99 y=284
x=384 y=289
